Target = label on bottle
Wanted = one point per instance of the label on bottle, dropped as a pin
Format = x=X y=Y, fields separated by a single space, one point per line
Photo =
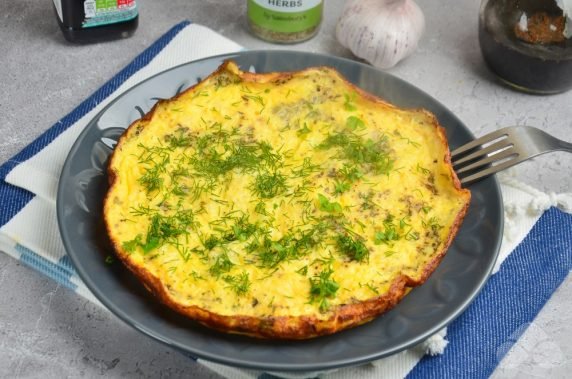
x=104 y=12
x=285 y=16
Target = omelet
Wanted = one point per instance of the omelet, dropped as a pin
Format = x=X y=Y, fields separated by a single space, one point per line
x=283 y=205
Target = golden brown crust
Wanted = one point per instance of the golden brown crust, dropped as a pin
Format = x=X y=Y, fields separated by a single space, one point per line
x=286 y=327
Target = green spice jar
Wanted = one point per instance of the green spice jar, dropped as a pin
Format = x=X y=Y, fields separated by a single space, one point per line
x=284 y=21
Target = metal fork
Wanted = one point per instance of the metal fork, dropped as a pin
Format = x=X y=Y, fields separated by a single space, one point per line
x=502 y=149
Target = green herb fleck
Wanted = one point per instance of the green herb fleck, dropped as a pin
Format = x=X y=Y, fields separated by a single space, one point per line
x=211 y=242
x=240 y=284
x=410 y=142
x=354 y=123
x=322 y=288
x=371 y=287
x=131 y=245
x=389 y=234
x=354 y=248
x=341 y=187
x=349 y=102
x=303 y=131
x=422 y=169
x=371 y=154
x=222 y=265
x=268 y=185
x=256 y=98
x=328 y=206
x=351 y=173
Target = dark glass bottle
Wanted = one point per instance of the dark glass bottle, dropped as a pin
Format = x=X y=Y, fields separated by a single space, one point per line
x=86 y=21
x=527 y=44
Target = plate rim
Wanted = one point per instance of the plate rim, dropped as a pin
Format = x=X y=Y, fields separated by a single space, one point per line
x=292 y=367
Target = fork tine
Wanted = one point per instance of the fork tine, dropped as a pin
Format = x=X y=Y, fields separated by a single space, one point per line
x=508 y=153
x=491 y=170
x=480 y=141
x=497 y=146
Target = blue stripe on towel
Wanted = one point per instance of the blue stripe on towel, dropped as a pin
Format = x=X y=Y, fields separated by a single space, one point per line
x=13 y=198
x=66 y=263
x=57 y=272
x=510 y=300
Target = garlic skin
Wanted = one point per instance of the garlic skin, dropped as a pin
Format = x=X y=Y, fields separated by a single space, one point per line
x=382 y=32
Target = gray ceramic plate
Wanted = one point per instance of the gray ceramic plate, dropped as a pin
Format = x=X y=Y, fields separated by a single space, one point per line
x=423 y=312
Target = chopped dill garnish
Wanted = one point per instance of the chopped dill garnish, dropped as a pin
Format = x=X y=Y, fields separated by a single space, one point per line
x=410 y=142
x=328 y=206
x=222 y=265
x=131 y=245
x=271 y=253
x=269 y=185
x=303 y=131
x=211 y=242
x=350 y=173
x=423 y=170
x=389 y=233
x=241 y=230
x=372 y=155
x=349 y=104
x=257 y=99
x=306 y=168
x=239 y=284
x=201 y=93
x=261 y=208
x=354 y=248
x=353 y=123
x=220 y=153
x=179 y=139
x=432 y=223
x=368 y=202
x=162 y=229
x=411 y=235
x=303 y=270
x=322 y=288
x=341 y=187
x=155 y=159
x=371 y=287
x=184 y=252
x=151 y=180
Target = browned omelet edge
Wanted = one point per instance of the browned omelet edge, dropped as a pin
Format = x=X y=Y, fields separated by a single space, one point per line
x=286 y=327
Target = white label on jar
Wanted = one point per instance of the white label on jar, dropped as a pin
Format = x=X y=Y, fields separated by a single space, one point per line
x=58 y=5
x=89 y=8
x=288 y=5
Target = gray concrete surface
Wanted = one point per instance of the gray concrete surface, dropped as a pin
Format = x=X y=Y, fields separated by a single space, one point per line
x=46 y=331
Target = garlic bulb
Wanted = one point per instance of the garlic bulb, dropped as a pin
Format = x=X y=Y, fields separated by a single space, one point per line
x=382 y=32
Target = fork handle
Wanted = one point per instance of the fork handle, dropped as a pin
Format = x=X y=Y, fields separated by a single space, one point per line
x=565 y=146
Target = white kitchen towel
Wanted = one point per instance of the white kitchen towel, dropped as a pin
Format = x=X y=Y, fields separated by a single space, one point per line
x=29 y=232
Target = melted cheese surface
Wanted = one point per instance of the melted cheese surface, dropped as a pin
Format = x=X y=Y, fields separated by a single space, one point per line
x=281 y=198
